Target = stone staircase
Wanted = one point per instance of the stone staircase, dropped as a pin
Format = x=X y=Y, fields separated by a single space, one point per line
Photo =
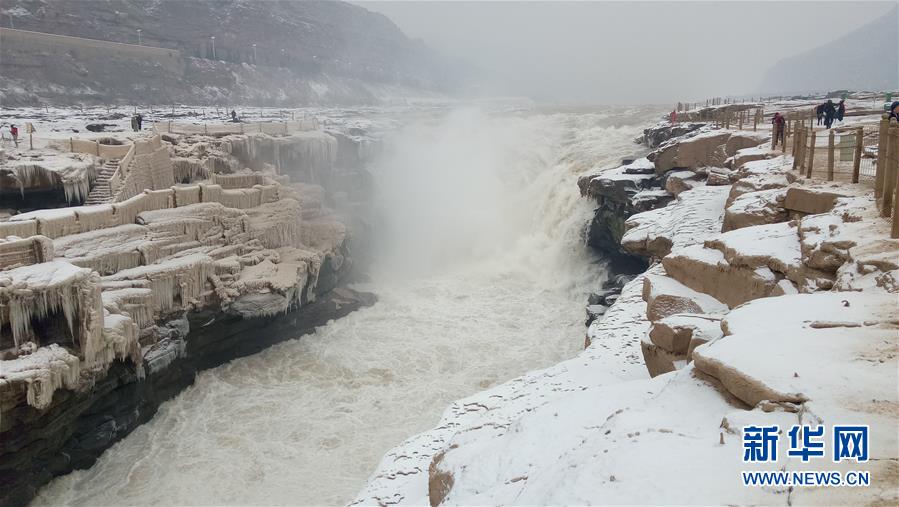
x=99 y=194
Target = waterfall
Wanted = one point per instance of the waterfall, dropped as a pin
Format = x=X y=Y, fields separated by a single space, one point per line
x=481 y=275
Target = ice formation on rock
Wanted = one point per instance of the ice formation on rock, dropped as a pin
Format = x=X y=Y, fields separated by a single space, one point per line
x=255 y=248
x=74 y=175
x=43 y=372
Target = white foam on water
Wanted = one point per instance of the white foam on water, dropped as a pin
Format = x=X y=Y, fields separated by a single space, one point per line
x=482 y=276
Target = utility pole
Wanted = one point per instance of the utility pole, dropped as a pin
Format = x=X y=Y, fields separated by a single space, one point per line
x=254 y=54
x=139 y=41
x=213 y=46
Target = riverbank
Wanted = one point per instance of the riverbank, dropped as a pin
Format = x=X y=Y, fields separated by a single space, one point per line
x=110 y=310
x=770 y=299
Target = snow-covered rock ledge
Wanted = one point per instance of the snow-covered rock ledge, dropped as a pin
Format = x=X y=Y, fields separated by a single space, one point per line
x=787 y=317
x=106 y=311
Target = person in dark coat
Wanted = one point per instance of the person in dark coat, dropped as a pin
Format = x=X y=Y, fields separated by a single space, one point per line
x=830 y=111
x=234 y=116
x=140 y=122
x=819 y=112
x=894 y=110
x=841 y=110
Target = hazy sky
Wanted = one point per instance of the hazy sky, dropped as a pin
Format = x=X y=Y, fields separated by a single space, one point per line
x=627 y=52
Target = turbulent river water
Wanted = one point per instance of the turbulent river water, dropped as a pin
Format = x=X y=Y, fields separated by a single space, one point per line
x=481 y=275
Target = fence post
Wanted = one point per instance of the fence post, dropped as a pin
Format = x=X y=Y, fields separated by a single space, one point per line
x=741 y=120
x=882 y=147
x=830 y=137
x=786 y=135
x=811 y=155
x=796 y=142
x=857 y=159
x=889 y=176
x=71 y=145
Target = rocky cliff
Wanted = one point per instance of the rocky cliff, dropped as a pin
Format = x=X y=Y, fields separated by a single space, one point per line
x=277 y=52
x=107 y=311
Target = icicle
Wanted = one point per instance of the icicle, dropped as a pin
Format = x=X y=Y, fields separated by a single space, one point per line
x=183 y=277
x=188 y=170
x=44 y=371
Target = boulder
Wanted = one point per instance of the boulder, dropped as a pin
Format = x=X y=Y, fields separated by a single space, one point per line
x=718 y=176
x=707 y=149
x=740 y=140
x=795 y=367
x=664 y=131
x=665 y=296
x=706 y=270
x=775 y=246
x=822 y=242
x=681 y=181
x=749 y=155
x=756 y=182
x=755 y=208
x=659 y=360
x=695 y=216
x=639 y=166
x=681 y=332
x=811 y=200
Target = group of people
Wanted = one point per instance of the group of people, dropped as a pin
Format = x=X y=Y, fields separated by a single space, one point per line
x=137 y=122
x=829 y=112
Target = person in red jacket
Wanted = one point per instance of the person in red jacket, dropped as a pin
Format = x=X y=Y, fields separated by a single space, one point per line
x=779 y=122
x=673 y=117
x=15 y=134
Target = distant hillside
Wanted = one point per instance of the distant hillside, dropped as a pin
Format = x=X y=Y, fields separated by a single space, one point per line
x=305 y=52
x=865 y=59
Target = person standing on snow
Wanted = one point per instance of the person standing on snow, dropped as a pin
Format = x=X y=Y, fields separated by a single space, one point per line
x=819 y=112
x=672 y=117
x=894 y=111
x=14 y=132
x=829 y=112
x=841 y=110
x=778 y=122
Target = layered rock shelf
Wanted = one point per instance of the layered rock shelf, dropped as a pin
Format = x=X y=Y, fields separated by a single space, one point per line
x=769 y=298
x=106 y=311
